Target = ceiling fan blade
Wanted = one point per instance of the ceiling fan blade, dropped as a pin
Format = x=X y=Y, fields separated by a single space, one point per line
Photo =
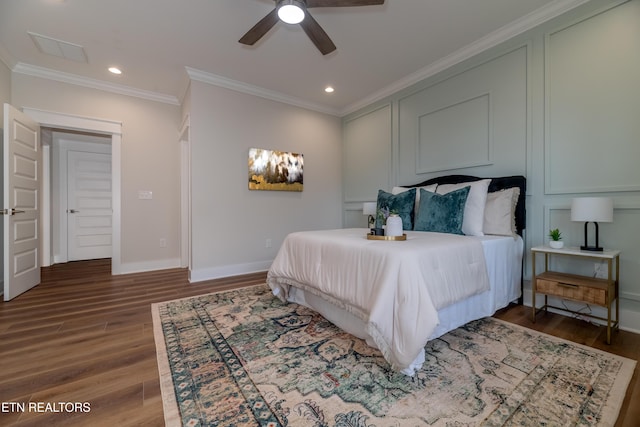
x=317 y=35
x=342 y=3
x=260 y=29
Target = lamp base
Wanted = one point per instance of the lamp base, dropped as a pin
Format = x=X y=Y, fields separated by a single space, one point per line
x=586 y=246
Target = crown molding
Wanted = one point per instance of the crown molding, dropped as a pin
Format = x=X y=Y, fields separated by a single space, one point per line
x=519 y=26
x=493 y=39
x=213 y=79
x=47 y=73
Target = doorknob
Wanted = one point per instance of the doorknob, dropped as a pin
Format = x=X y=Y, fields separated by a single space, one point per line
x=10 y=212
x=72 y=211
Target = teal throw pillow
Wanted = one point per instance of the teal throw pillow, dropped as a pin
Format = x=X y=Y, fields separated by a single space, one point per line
x=442 y=213
x=402 y=203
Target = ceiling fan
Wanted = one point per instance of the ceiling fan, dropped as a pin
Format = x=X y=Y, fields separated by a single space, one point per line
x=295 y=12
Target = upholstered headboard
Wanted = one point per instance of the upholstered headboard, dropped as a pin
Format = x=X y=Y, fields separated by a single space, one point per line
x=497 y=184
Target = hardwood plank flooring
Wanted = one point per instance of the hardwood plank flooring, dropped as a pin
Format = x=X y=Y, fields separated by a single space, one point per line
x=83 y=335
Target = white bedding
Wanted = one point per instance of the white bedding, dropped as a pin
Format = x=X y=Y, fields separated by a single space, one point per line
x=394 y=288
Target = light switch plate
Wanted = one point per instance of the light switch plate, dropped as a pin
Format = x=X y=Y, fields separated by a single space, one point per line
x=145 y=194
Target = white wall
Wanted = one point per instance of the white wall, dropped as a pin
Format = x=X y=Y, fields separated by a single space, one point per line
x=230 y=223
x=150 y=161
x=224 y=125
x=558 y=104
x=5 y=83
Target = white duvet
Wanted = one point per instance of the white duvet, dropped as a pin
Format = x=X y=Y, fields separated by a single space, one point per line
x=395 y=287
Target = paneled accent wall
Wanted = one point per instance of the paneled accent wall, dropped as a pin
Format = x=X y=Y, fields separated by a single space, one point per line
x=476 y=120
x=559 y=104
x=366 y=161
x=592 y=132
x=439 y=129
x=593 y=103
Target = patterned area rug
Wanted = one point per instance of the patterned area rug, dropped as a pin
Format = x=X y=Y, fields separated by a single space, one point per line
x=243 y=358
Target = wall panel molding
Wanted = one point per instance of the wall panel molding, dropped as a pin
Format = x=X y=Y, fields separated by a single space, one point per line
x=439 y=129
x=475 y=121
x=367 y=155
x=591 y=103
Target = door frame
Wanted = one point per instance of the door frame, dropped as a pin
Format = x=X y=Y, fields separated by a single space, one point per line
x=83 y=124
x=185 y=194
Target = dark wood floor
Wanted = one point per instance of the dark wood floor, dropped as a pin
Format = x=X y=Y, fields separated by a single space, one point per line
x=83 y=335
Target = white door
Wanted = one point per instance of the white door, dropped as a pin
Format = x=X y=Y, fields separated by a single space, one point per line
x=89 y=209
x=21 y=195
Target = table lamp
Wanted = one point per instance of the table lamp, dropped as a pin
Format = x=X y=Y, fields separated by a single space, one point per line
x=591 y=209
x=369 y=208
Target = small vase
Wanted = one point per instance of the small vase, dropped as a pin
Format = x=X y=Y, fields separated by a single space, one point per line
x=394 y=226
x=556 y=244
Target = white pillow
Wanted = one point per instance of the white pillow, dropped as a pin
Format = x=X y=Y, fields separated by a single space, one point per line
x=473 y=220
x=431 y=188
x=500 y=212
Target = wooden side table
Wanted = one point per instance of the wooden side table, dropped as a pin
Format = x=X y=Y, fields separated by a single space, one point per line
x=590 y=290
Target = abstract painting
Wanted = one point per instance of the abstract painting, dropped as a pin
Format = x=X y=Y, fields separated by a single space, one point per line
x=275 y=170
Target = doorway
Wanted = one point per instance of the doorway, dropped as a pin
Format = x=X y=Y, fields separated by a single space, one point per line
x=66 y=123
x=81 y=196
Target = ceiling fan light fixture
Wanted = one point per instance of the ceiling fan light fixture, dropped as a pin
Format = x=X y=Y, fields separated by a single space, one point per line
x=291 y=11
x=299 y=15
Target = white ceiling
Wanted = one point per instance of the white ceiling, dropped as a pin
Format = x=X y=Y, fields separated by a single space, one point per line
x=380 y=49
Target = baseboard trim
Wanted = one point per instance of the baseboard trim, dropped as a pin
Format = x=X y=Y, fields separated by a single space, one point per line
x=140 y=267
x=199 y=275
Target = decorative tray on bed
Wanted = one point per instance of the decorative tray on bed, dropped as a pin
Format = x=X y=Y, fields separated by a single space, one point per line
x=374 y=237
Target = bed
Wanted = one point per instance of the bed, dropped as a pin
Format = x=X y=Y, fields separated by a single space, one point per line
x=397 y=295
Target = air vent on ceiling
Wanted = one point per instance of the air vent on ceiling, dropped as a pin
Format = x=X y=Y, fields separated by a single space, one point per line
x=59 y=48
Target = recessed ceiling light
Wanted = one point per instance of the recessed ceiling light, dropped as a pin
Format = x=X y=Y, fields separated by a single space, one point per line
x=329 y=89
x=115 y=70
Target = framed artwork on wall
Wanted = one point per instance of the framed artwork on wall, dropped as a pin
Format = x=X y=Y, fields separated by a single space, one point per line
x=275 y=170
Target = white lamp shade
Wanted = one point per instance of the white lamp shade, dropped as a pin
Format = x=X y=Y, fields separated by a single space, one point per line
x=369 y=208
x=592 y=209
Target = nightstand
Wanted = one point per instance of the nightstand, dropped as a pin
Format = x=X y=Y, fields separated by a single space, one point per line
x=589 y=290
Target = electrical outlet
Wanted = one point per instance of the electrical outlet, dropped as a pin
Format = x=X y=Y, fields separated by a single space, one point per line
x=267 y=243
x=601 y=270
x=163 y=243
